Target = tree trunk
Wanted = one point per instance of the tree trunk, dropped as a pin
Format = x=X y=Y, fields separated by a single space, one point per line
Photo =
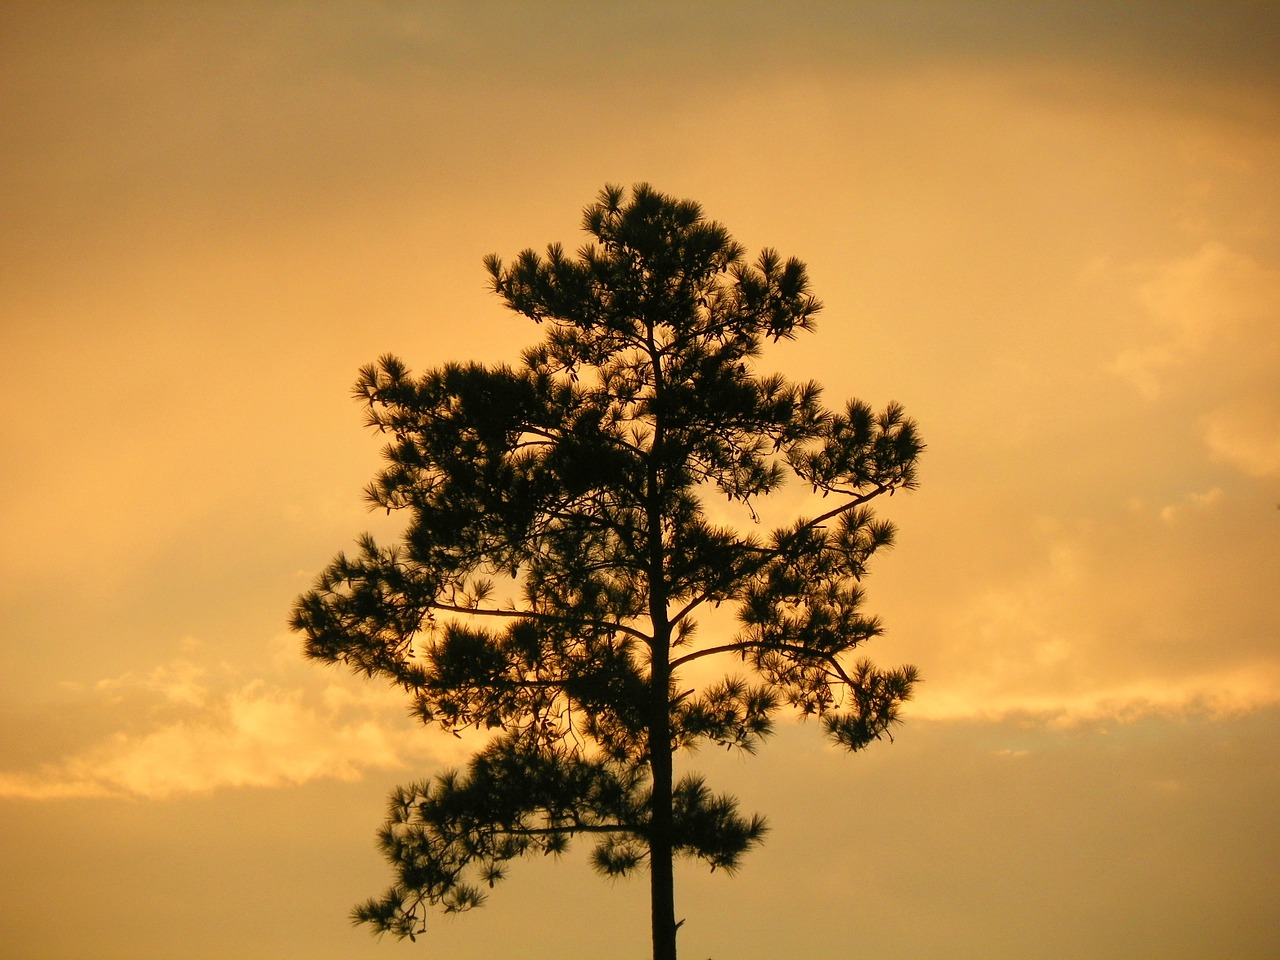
x=661 y=875
x=662 y=885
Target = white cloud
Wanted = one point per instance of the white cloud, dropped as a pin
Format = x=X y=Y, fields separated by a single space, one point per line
x=192 y=728
x=1214 y=315
x=1192 y=502
x=179 y=682
x=1246 y=432
x=1156 y=611
x=1218 y=694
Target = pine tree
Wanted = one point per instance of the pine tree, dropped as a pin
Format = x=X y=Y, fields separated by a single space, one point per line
x=558 y=549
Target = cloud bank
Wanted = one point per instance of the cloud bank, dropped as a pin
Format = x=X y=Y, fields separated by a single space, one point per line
x=188 y=728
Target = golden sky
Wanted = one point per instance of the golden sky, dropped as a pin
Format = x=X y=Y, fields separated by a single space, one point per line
x=1051 y=230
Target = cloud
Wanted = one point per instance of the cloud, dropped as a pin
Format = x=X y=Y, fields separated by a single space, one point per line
x=1216 y=308
x=179 y=682
x=1192 y=501
x=1148 y=609
x=1225 y=693
x=192 y=728
x=1245 y=433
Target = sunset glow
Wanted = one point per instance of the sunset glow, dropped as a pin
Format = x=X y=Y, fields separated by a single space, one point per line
x=1049 y=230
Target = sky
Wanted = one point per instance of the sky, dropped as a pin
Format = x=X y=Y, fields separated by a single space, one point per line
x=1050 y=230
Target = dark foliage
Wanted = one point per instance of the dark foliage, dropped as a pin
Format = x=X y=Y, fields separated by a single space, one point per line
x=558 y=547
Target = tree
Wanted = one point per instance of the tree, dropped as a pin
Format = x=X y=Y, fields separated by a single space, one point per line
x=558 y=547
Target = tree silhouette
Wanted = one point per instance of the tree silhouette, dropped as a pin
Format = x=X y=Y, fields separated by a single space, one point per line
x=558 y=547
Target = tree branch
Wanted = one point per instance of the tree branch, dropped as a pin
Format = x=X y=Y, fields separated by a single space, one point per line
x=534 y=615
x=767 y=553
x=742 y=645
x=880 y=488
x=575 y=828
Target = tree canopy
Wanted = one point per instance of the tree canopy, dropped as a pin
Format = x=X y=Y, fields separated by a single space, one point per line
x=559 y=550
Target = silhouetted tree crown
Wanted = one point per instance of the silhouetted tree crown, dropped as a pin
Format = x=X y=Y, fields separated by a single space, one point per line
x=558 y=550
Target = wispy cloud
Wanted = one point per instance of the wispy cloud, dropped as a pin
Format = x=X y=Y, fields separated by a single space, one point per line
x=187 y=727
x=1245 y=432
x=1215 y=322
x=1153 y=612
x=1191 y=503
x=1215 y=694
x=1214 y=311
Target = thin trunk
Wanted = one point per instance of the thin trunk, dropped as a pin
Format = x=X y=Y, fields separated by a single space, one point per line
x=662 y=888
x=661 y=876
x=661 y=853
x=662 y=882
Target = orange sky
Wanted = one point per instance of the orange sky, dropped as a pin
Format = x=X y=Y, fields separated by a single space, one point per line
x=1050 y=230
